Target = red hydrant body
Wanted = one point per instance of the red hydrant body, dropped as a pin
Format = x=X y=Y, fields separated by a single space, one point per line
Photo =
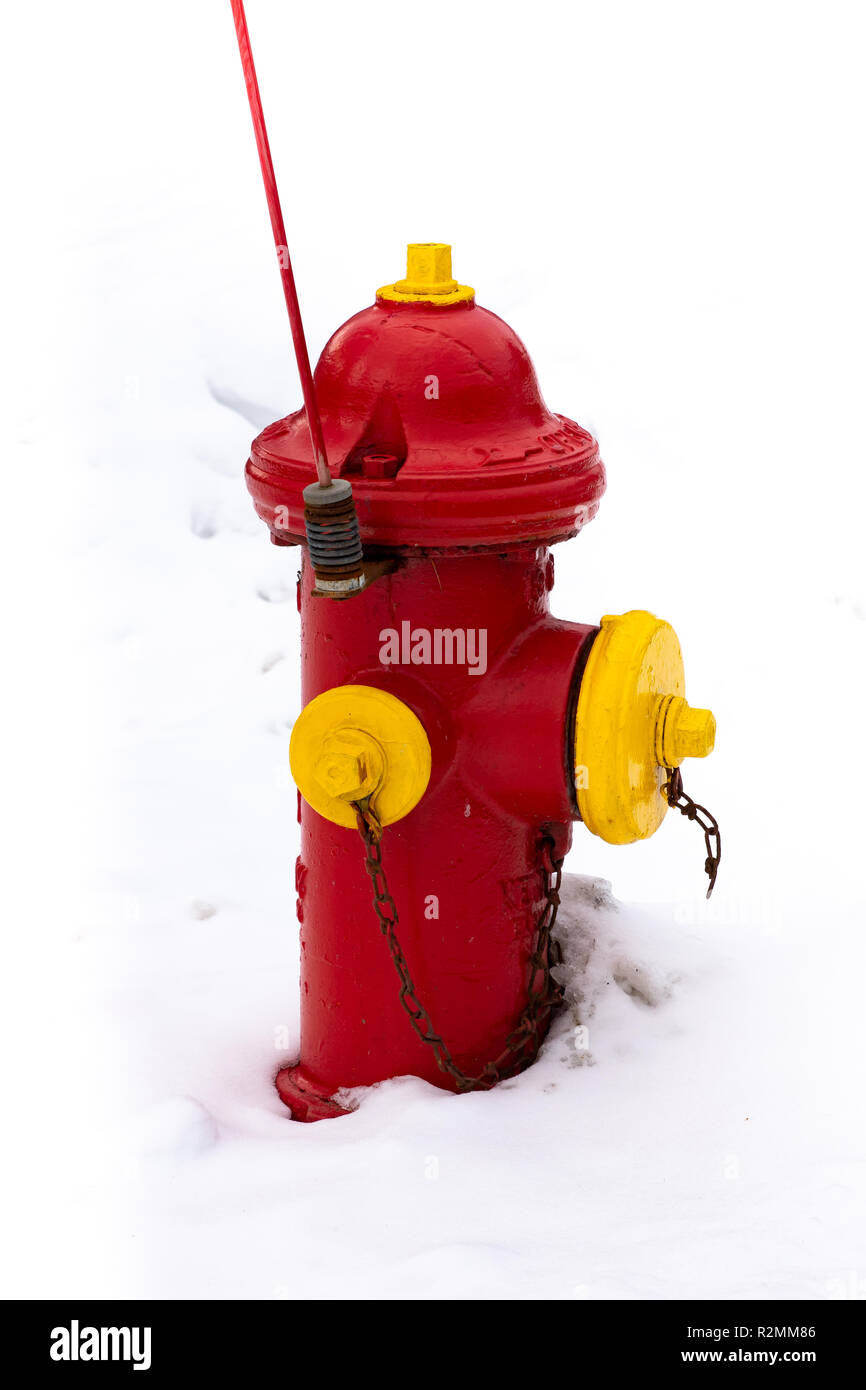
x=467 y=866
x=462 y=478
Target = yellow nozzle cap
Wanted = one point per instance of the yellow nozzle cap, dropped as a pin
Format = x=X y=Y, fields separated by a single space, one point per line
x=357 y=741
x=632 y=724
x=428 y=277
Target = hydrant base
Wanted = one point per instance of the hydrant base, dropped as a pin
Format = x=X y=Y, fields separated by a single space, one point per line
x=306 y=1101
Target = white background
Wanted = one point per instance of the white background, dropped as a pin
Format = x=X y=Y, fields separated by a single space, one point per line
x=666 y=202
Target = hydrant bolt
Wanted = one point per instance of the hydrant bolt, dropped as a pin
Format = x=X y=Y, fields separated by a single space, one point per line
x=683 y=732
x=351 y=765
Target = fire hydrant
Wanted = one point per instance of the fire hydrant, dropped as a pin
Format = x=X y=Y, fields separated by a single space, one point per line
x=447 y=715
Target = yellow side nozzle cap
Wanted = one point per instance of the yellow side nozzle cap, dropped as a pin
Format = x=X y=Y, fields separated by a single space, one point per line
x=356 y=741
x=632 y=724
x=428 y=277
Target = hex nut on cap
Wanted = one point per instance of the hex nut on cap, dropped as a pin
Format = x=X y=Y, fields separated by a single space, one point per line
x=351 y=765
x=684 y=732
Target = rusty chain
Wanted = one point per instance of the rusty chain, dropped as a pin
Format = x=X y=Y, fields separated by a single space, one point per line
x=522 y=1044
x=546 y=995
x=678 y=800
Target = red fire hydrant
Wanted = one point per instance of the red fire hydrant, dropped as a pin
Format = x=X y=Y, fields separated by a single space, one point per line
x=447 y=714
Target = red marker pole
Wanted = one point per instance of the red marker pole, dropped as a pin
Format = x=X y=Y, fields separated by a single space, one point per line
x=300 y=343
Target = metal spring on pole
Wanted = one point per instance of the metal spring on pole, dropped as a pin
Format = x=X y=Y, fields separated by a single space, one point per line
x=334 y=538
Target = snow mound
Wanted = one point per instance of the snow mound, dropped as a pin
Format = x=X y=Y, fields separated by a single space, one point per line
x=614 y=960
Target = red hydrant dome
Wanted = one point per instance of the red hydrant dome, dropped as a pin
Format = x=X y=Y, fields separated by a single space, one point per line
x=434 y=412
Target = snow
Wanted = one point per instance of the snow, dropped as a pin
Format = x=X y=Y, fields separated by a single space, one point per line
x=668 y=219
